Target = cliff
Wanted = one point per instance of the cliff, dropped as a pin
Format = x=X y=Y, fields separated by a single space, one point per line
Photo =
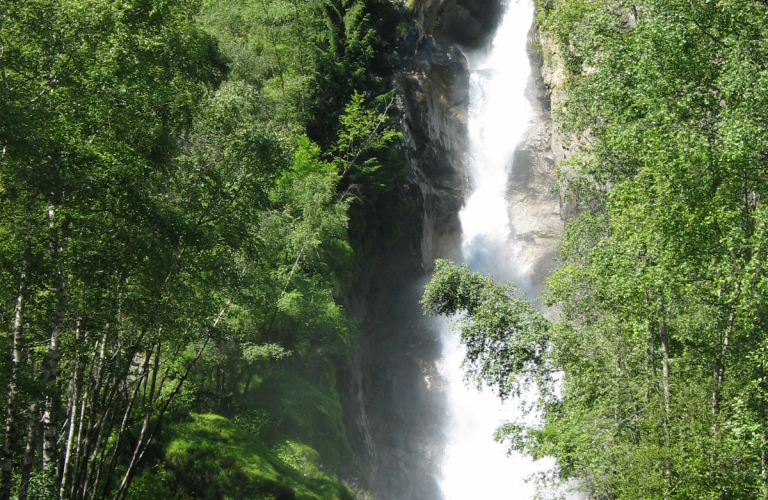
x=393 y=393
x=392 y=399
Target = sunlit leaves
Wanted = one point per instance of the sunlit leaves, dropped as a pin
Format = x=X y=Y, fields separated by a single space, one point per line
x=670 y=185
x=504 y=335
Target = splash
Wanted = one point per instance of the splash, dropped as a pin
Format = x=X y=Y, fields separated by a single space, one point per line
x=475 y=466
x=499 y=114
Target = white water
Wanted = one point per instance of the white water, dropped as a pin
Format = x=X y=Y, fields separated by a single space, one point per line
x=475 y=466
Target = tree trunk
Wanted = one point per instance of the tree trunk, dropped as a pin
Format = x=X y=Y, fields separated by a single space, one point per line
x=665 y=386
x=50 y=373
x=9 y=443
x=51 y=362
x=248 y=381
x=73 y=421
x=300 y=35
x=761 y=416
x=273 y=39
x=141 y=446
x=218 y=385
x=121 y=432
x=719 y=375
x=29 y=450
x=665 y=374
x=79 y=439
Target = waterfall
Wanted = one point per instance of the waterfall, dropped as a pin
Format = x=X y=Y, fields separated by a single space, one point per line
x=474 y=465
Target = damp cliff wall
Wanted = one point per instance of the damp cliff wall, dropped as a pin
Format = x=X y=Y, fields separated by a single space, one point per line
x=391 y=389
x=392 y=393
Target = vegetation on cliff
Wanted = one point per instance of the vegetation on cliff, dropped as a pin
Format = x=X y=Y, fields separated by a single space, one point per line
x=183 y=187
x=652 y=377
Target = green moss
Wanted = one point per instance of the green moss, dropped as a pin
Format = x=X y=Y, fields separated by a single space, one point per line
x=156 y=484
x=301 y=397
x=209 y=458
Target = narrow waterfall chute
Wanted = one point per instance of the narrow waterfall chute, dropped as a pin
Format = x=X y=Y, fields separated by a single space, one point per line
x=474 y=465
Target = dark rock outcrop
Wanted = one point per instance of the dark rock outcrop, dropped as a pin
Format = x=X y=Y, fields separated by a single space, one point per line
x=466 y=23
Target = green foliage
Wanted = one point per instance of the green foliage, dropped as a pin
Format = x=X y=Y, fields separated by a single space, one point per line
x=353 y=53
x=662 y=267
x=270 y=47
x=210 y=458
x=176 y=240
x=364 y=134
x=302 y=403
x=504 y=335
x=323 y=67
x=156 y=483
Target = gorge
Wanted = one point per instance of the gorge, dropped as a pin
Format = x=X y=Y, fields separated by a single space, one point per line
x=479 y=139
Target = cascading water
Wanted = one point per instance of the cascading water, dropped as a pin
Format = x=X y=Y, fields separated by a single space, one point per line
x=474 y=465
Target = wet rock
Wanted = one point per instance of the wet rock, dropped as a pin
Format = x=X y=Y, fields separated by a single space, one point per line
x=436 y=89
x=467 y=23
x=393 y=393
x=536 y=210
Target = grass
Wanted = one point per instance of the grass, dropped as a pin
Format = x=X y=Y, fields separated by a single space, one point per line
x=209 y=458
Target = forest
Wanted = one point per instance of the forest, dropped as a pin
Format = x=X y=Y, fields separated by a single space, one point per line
x=185 y=191
x=648 y=365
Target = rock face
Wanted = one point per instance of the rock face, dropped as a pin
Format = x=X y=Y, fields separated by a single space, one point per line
x=392 y=393
x=552 y=80
x=536 y=213
x=466 y=23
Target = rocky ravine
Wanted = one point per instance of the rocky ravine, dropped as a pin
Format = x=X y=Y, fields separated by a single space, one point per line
x=391 y=391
